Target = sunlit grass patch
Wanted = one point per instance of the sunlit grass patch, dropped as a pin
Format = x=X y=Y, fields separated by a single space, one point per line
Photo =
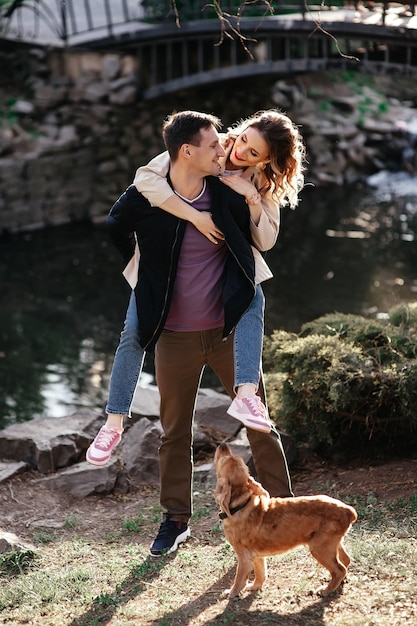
x=90 y=581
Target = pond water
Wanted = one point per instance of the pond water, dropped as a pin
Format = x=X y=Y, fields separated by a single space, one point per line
x=63 y=299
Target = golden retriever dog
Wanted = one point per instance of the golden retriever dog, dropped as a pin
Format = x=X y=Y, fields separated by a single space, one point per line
x=257 y=526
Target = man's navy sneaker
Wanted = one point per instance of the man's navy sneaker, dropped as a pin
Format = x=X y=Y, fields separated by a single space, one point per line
x=169 y=537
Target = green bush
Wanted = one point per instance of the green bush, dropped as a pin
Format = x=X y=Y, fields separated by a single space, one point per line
x=347 y=383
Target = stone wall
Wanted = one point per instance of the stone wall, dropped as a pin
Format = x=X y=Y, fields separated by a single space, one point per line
x=73 y=128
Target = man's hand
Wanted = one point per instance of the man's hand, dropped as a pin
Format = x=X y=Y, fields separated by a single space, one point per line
x=203 y=222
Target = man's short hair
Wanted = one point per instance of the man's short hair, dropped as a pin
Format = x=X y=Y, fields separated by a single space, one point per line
x=184 y=127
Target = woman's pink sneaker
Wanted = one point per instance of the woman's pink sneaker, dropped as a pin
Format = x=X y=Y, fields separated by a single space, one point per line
x=103 y=445
x=251 y=412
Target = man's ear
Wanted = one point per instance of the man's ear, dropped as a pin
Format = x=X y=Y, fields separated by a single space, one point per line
x=185 y=148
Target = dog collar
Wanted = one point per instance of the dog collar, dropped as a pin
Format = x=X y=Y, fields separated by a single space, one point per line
x=235 y=509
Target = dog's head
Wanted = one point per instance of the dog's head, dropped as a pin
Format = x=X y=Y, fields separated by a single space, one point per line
x=234 y=484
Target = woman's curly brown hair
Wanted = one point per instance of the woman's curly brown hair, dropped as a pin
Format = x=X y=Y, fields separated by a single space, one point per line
x=283 y=175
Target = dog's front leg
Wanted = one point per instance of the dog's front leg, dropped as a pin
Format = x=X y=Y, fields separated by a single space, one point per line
x=244 y=566
x=261 y=573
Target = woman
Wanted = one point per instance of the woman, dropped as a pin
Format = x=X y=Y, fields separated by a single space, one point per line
x=263 y=161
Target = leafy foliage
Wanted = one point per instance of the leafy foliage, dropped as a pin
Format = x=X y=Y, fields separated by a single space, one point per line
x=346 y=383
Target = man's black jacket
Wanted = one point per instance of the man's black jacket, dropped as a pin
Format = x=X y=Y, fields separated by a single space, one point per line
x=160 y=234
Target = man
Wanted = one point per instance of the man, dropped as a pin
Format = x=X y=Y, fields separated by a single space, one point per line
x=189 y=297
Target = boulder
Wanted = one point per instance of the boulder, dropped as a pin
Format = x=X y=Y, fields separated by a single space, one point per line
x=48 y=444
x=139 y=451
x=83 y=479
x=146 y=402
x=8 y=470
x=9 y=542
x=211 y=415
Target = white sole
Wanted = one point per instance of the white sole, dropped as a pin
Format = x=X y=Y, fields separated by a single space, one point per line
x=259 y=427
x=100 y=463
x=97 y=463
x=180 y=539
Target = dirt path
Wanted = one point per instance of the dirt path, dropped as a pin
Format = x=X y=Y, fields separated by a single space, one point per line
x=27 y=505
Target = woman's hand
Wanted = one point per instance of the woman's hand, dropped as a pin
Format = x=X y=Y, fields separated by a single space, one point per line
x=245 y=188
x=203 y=222
x=239 y=184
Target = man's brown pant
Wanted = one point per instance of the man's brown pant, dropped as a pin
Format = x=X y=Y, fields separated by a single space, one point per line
x=180 y=358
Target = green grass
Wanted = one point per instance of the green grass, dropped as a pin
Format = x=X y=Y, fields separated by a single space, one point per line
x=78 y=581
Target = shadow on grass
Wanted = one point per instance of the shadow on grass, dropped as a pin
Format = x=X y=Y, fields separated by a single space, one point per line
x=104 y=606
x=236 y=612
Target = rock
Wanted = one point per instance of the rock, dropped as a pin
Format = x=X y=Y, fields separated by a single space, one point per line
x=83 y=479
x=285 y=95
x=48 y=444
x=205 y=471
x=68 y=136
x=6 y=141
x=146 y=402
x=45 y=95
x=337 y=165
x=48 y=523
x=9 y=542
x=111 y=67
x=121 y=83
x=240 y=446
x=95 y=92
x=139 y=451
x=125 y=95
x=347 y=103
x=23 y=107
x=329 y=179
x=212 y=417
x=281 y=100
x=8 y=470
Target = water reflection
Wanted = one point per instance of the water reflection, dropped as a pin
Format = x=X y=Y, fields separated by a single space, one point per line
x=344 y=250
x=63 y=299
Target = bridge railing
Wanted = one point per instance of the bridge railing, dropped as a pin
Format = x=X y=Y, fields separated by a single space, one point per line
x=169 y=63
x=201 y=9
x=65 y=22
x=40 y=20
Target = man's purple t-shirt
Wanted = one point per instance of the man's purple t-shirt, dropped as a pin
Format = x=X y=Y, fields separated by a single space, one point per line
x=197 y=297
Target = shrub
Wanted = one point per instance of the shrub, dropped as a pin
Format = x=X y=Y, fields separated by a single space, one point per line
x=346 y=383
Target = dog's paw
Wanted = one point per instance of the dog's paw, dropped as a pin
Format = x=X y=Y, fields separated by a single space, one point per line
x=231 y=593
x=325 y=591
x=322 y=591
x=253 y=587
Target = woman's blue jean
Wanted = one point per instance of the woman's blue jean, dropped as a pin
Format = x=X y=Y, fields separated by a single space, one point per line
x=129 y=357
x=248 y=342
x=127 y=365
